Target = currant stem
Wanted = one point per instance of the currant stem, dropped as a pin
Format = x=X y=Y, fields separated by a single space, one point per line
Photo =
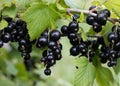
x=112 y=20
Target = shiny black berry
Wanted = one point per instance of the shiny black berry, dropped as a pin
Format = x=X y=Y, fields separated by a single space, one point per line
x=64 y=29
x=112 y=37
x=55 y=35
x=90 y=19
x=6 y=37
x=73 y=26
x=42 y=42
x=52 y=45
x=74 y=51
x=97 y=27
x=47 y=72
x=101 y=19
x=106 y=11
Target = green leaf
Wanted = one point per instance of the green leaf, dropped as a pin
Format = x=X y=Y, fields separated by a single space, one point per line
x=84 y=28
x=10 y=11
x=22 y=5
x=117 y=67
x=3 y=24
x=39 y=17
x=22 y=73
x=11 y=68
x=113 y=5
x=82 y=17
x=81 y=4
x=86 y=72
x=104 y=76
x=6 y=82
x=5 y=3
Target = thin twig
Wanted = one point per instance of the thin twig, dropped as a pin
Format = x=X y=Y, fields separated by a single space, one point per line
x=112 y=20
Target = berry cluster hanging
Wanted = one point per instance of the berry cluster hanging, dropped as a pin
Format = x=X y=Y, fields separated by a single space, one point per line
x=16 y=31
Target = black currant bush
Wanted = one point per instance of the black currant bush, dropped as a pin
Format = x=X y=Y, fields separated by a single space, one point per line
x=57 y=40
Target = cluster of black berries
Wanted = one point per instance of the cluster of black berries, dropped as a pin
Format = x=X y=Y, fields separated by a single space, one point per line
x=112 y=52
x=16 y=31
x=99 y=20
x=50 y=39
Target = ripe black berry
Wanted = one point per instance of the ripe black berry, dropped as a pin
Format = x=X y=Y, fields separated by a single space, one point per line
x=106 y=11
x=47 y=71
x=42 y=42
x=101 y=19
x=55 y=35
x=72 y=35
x=64 y=29
x=112 y=37
x=74 y=51
x=97 y=27
x=73 y=26
x=52 y=45
x=90 y=19
x=6 y=37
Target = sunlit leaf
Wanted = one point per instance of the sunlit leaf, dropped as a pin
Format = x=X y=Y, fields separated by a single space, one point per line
x=86 y=72
x=38 y=18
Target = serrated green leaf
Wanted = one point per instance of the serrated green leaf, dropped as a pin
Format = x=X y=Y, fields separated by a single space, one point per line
x=86 y=72
x=3 y=24
x=38 y=18
x=11 y=68
x=113 y=5
x=104 y=76
x=10 y=11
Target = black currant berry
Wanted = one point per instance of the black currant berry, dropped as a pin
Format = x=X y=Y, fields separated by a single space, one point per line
x=57 y=52
x=6 y=37
x=90 y=19
x=19 y=22
x=23 y=42
x=101 y=19
x=42 y=42
x=72 y=35
x=50 y=57
x=73 y=27
x=55 y=35
x=47 y=72
x=106 y=11
x=58 y=57
x=74 y=51
x=74 y=41
x=52 y=45
x=97 y=27
x=112 y=37
x=64 y=29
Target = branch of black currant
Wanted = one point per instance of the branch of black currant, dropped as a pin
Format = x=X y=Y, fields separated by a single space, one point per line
x=69 y=10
